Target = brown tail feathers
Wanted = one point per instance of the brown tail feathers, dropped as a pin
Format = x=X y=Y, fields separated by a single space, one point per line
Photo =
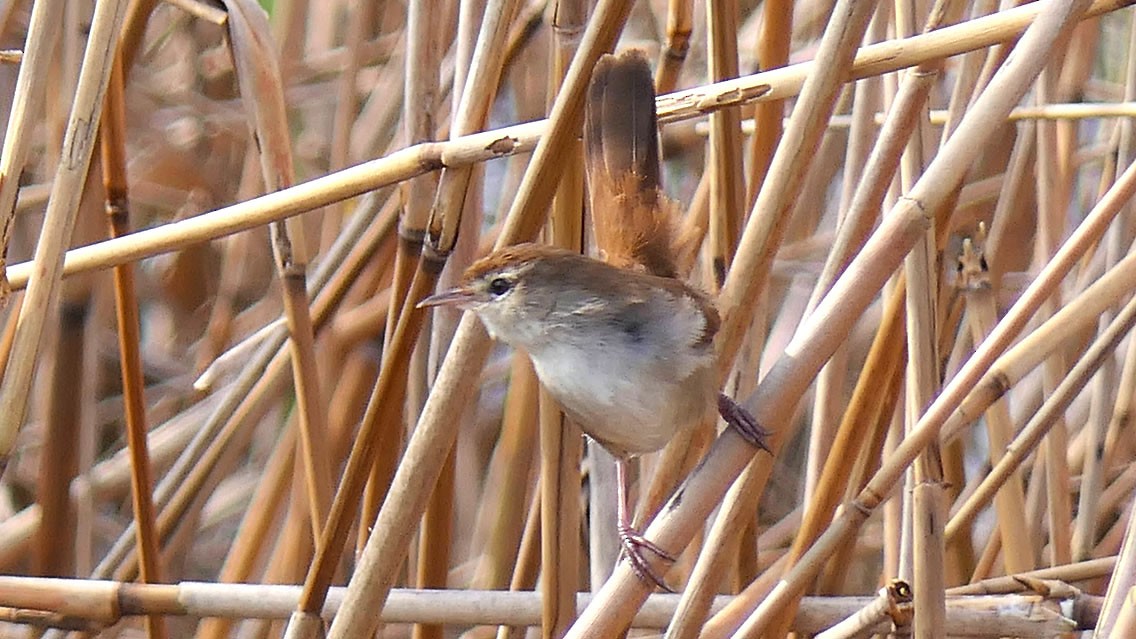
x=634 y=220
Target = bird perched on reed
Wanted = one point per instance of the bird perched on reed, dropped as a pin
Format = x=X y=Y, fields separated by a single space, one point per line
x=623 y=344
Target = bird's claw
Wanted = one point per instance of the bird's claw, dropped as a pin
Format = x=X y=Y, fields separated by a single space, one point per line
x=634 y=544
x=743 y=422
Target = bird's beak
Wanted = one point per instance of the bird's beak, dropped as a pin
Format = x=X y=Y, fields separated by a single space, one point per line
x=453 y=297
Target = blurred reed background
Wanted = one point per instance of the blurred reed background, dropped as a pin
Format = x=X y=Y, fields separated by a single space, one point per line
x=203 y=401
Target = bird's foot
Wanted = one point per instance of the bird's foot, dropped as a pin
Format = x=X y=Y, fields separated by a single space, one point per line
x=634 y=543
x=743 y=422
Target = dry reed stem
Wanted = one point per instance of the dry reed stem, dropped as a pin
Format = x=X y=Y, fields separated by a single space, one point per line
x=420 y=123
x=28 y=98
x=672 y=55
x=892 y=604
x=62 y=208
x=113 y=153
x=927 y=508
x=772 y=52
x=725 y=170
x=1055 y=404
x=259 y=75
x=1010 y=503
x=47 y=601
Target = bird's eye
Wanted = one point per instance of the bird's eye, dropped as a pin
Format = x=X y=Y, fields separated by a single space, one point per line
x=500 y=286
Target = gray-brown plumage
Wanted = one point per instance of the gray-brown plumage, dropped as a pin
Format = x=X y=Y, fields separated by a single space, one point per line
x=623 y=345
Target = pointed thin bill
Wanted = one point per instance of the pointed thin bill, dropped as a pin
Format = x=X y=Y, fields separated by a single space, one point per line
x=453 y=297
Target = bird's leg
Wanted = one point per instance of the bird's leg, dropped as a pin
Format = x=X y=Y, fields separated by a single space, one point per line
x=633 y=542
x=743 y=422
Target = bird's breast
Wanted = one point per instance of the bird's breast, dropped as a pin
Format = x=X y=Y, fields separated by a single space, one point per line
x=628 y=402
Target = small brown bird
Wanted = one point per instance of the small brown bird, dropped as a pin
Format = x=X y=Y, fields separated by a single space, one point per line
x=624 y=346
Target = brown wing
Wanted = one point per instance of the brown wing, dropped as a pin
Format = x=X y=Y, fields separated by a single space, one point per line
x=633 y=219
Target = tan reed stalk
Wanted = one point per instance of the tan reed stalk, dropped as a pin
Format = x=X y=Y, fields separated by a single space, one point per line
x=920 y=550
x=1010 y=502
x=43 y=290
x=419 y=95
x=561 y=448
x=880 y=416
x=828 y=401
x=432 y=438
x=1068 y=573
x=928 y=503
x=561 y=443
x=45 y=602
x=727 y=177
x=259 y=74
x=1031 y=434
x=672 y=55
x=27 y=103
x=772 y=53
x=112 y=143
x=1053 y=190
x=419 y=159
x=421 y=103
x=959 y=554
x=64 y=432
